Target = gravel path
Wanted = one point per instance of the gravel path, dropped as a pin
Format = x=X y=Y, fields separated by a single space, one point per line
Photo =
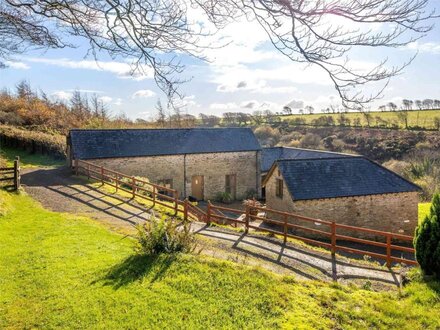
x=58 y=190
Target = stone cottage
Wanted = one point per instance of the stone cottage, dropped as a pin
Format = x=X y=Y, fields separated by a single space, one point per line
x=198 y=162
x=350 y=190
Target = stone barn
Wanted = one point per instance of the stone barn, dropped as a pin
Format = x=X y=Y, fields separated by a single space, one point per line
x=198 y=162
x=349 y=190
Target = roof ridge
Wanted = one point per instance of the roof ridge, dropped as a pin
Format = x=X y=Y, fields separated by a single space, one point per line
x=318 y=150
x=319 y=158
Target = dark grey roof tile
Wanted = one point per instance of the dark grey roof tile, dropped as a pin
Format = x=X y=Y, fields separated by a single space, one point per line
x=88 y=144
x=340 y=177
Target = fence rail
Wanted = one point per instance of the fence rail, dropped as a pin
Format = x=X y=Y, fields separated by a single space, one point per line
x=12 y=174
x=152 y=192
x=285 y=222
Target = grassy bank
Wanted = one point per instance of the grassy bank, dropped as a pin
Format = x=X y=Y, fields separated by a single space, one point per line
x=28 y=160
x=62 y=271
x=420 y=118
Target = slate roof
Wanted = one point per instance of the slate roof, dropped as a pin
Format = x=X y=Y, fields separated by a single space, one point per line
x=271 y=155
x=113 y=143
x=340 y=177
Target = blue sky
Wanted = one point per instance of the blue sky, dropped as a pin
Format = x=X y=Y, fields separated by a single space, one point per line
x=246 y=75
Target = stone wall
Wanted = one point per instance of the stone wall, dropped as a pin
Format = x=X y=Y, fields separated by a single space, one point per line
x=213 y=166
x=397 y=213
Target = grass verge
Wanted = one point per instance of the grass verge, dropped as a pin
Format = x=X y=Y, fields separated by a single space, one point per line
x=28 y=160
x=63 y=271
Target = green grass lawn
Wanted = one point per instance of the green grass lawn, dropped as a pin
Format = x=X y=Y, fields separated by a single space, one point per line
x=62 y=271
x=27 y=159
x=423 y=118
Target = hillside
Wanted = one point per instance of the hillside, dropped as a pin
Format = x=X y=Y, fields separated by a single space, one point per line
x=425 y=119
x=62 y=271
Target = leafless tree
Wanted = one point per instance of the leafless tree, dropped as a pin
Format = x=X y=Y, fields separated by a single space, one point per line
x=150 y=33
x=258 y=117
x=309 y=109
x=161 y=115
x=407 y=104
x=428 y=104
x=392 y=106
x=403 y=117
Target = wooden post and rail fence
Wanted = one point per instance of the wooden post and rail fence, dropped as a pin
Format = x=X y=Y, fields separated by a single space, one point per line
x=11 y=174
x=285 y=225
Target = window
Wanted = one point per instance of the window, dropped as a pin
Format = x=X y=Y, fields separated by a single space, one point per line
x=167 y=183
x=279 y=188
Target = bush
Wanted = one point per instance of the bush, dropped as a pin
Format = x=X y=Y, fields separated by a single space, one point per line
x=427 y=240
x=267 y=135
x=223 y=197
x=164 y=235
x=310 y=140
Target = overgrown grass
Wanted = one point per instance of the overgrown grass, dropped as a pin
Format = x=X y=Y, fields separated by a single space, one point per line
x=28 y=160
x=62 y=271
x=424 y=118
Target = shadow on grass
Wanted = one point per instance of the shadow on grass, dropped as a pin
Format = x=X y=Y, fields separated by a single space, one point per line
x=137 y=267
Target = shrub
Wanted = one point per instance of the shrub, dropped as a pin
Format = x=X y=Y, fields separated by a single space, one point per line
x=164 y=235
x=267 y=135
x=250 y=193
x=223 y=197
x=310 y=140
x=427 y=240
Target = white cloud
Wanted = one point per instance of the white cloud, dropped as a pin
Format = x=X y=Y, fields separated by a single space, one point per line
x=105 y=99
x=224 y=106
x=295 y=104
x=121 y=69
x=118 y=101
x=62 y=95
x=143 y=93
x=427 y=47
x=17 y=65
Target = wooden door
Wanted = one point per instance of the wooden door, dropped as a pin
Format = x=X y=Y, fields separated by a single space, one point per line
x=231 y=185
x=197 y=184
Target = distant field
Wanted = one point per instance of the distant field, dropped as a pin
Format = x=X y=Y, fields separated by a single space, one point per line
x=422 y=118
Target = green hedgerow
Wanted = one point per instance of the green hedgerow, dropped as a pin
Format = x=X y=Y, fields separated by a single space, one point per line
x=427 y=240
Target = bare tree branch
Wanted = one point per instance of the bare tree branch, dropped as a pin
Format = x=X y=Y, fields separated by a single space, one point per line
x=153 y=34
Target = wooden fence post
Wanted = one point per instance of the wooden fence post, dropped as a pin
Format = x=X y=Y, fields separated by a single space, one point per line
x=185 y=210
x=246 y=219
x=154 y=195
x=388 y=250
x=176 y=203
x=102 y=175
x=17 y=173
x=333 y=237
x=208 y=213
x=117 y=182
x=88 y=171
x=75 y=164
x=133 y=186
x=285 y=229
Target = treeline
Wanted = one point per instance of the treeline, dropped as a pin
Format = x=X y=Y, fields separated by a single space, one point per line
x=34 y=110
x=426 y=104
